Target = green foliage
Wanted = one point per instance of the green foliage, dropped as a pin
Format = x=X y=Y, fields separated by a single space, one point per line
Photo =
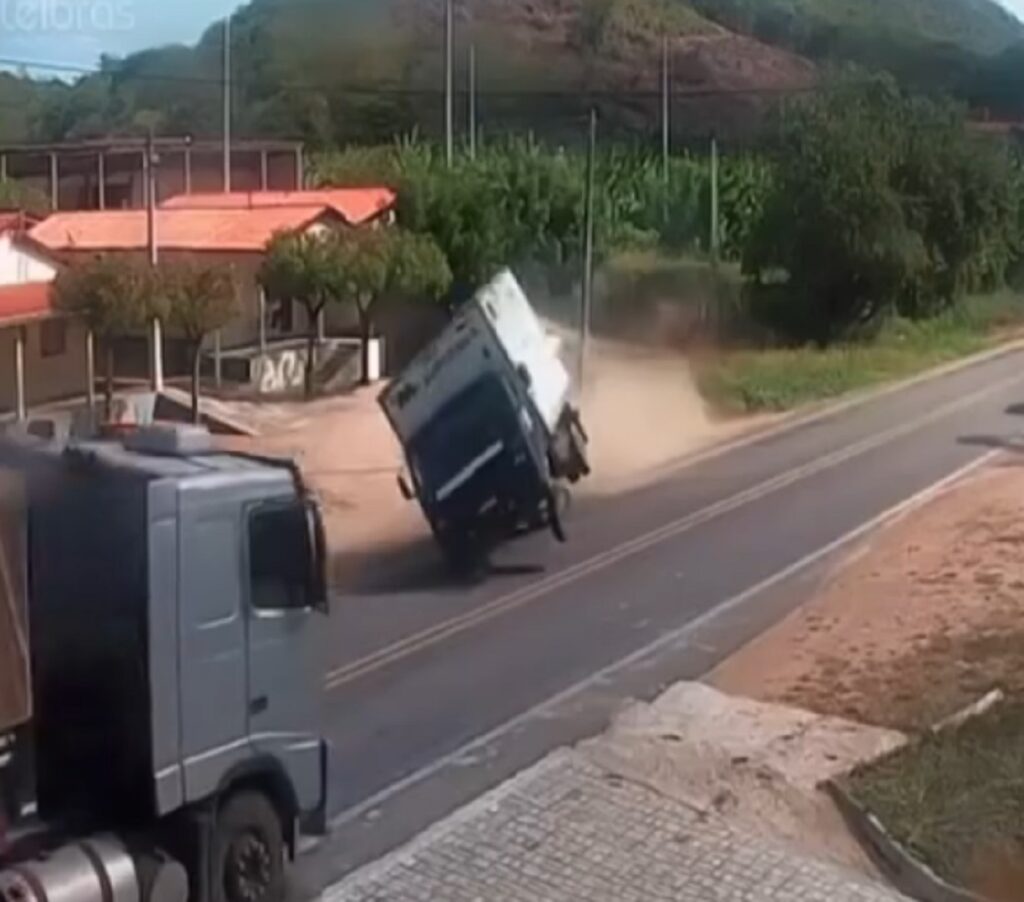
x=301 y=267
x=375 y=263
x=23 y=197
x=306 y=64
x=199 y=298
x=357 y=267
x=520 y=201
x=982 y=26
x=882 y=204
x=112 y=294
x=753 y=381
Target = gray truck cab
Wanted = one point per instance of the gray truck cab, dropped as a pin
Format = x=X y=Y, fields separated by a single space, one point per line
x=175 y=596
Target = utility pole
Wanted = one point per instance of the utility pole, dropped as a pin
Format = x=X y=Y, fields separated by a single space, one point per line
x=715 y=236
x=151 y=198
x=472 y=101
x=449 y=82
x=227 y=104
x=588 y=250
x=715 y=241
x=156 y=364
x=666 y=113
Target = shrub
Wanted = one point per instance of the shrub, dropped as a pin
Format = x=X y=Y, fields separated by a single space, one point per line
x=882 y=204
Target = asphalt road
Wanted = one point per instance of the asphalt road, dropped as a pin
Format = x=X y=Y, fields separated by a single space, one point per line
x=438 y=691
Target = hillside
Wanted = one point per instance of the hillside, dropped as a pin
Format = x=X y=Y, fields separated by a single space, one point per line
x=363 y=70
x=979 y=26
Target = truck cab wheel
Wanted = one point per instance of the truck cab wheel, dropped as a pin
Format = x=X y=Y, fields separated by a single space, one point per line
x=559 y=500
x=248 y=854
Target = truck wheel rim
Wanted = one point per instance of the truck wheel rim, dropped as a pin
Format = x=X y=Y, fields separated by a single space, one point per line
x=248 y=869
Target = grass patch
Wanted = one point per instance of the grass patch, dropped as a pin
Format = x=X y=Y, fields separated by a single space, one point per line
x=956 y=800
x=749 y=381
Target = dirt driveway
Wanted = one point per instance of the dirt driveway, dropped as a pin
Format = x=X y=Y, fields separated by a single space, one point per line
x=924 y=619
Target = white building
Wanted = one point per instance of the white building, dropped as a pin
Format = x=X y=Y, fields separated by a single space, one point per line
x=42 y=352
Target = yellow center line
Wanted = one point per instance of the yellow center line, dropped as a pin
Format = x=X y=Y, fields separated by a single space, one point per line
x=447 y=629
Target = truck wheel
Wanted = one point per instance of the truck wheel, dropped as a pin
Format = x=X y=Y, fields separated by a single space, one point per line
x=558 y=506
x=578 y=441
x=248 y=854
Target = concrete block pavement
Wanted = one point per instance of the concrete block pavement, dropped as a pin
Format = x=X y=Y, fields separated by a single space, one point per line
x=568 y=830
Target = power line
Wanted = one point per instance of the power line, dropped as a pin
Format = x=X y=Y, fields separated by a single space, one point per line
x=685 y=92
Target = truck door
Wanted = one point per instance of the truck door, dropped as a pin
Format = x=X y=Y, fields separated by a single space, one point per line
x=285 y=667
x=212 y=646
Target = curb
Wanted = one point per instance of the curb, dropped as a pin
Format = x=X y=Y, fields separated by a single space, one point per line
x=907 y=874
x=817 y=411
x=216 y=419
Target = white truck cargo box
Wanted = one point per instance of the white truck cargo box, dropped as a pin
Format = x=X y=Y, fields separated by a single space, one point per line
x=498 y=331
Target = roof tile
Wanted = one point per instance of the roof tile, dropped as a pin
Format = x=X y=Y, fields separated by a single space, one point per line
x=225 y=230
x=355 y=205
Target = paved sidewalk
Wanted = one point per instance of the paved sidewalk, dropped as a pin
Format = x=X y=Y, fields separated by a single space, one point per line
x=569 y=830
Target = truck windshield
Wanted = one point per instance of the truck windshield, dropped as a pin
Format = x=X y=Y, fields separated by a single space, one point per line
x=474 y=421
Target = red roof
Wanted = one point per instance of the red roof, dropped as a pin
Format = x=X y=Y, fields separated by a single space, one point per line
x=355 y=205
x=225 y=230
x=15 y=221
x=30 y=300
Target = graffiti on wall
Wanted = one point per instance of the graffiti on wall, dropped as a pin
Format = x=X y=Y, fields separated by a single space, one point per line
x=281 y=371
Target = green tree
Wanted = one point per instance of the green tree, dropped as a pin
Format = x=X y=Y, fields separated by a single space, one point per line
x=882 y=203
x=303 y=268
x=15 y=195
x=377 y=263
x=199 y=301
x=113 y=296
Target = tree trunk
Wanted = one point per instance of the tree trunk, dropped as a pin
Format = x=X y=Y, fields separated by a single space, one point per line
x=365 y=334
x=108 y=382
x=197 y=363
x=311 y=341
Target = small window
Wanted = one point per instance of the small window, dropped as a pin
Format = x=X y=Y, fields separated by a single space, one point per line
x=53 y=338
x=280 y=558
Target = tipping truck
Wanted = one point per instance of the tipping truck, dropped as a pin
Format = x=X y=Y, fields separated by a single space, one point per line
x=485 y=419
x=160 y=685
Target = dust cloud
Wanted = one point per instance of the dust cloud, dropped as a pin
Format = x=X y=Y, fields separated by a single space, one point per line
x=642 y=410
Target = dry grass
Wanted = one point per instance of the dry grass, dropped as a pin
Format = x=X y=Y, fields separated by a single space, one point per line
x=956 y=800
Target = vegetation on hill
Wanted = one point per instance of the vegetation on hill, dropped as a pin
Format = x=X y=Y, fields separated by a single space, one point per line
x=366 y=70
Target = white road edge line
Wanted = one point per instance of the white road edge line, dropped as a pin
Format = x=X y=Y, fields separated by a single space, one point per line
x=538 y=711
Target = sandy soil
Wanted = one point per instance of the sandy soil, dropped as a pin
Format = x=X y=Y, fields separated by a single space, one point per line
x=640 y=406
x=757 y=765
x=924 y=619
x=642 y=410
x=350 y=458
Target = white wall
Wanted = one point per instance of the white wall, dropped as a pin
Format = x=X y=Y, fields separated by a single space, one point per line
x=19 y=264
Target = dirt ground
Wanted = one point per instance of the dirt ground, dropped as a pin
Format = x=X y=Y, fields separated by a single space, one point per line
x=351 y=460
x=757 y=765
x=924 y=619
x=641 y=408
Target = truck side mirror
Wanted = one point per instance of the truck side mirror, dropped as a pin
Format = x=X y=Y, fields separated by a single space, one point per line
x=318 y=593
x=403 y=486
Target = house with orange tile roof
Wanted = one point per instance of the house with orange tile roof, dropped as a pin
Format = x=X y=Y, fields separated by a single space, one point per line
x=234 y=229
x=356 y=206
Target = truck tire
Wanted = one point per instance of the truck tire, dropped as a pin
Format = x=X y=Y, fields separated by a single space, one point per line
x=578 y=440
x=248 y=851
x=558 y=506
